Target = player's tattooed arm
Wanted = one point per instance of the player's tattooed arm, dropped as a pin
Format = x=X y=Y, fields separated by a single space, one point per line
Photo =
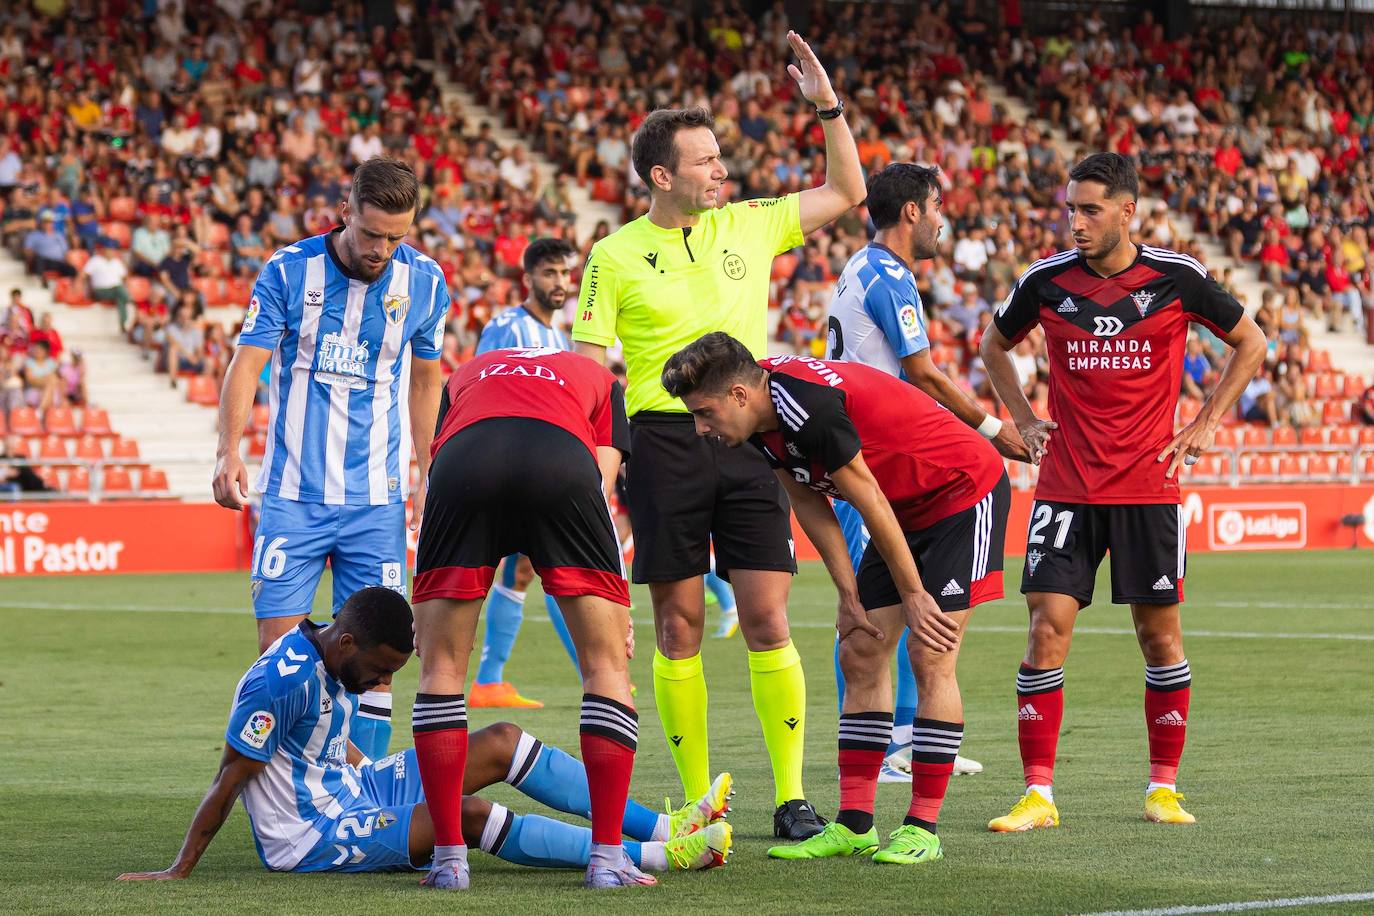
x=234 y=772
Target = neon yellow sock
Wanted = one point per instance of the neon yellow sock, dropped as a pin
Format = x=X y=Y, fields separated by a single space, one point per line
x=680 y=694
x=779 y=688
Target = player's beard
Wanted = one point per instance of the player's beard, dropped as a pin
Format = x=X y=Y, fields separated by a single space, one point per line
x=925 y=248
x=350 y=677
x=546 y=302
x=1105 y=247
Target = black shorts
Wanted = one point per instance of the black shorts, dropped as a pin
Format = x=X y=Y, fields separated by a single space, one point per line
x=1065 y=543
x=959 y=557
x=686 y=493
x=516 y=485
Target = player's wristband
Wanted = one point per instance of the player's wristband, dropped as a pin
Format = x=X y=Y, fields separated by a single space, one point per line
x=990 y=427
x=830 y=114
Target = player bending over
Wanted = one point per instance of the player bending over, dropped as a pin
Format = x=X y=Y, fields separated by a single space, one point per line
x=316 y=804
x=933 y=494
x=1115 y=316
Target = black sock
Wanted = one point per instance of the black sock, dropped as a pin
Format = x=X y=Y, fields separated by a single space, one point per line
x=857 y=821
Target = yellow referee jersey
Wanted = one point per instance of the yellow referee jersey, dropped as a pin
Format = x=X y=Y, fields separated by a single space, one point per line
x=660 y=289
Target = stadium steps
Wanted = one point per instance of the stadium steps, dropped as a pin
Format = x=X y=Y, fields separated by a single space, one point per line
x=1348 y=350
x=589 y=212
x=172 y=434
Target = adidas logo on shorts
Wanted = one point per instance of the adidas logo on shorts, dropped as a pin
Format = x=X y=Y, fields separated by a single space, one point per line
x=1163 y=584
x=951 y=588
x=1171 y=717
x=1028 y=713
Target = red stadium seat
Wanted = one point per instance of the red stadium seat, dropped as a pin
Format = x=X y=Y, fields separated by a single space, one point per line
x=4 y=425
x=51 y=479
x=1225 y=438
x=68 y=292
x=1319 y=361
x=1292 y=467
x=60 y=421
x=1336 y=413
x=200 y=389
x=124 y=449
x=1285 y=436
x=213 y=262
x=78 y=481
x=1255 y=435
x=1345 y=466
x=124 y=209
x=1321 y=464
x=53 y=448
x=219 y=236
x=78 y=257
x=1354 y=386
x=783 y=266
x=1312 y=435
x=258 y=419
x=119 y=233
x=1340 y=435
x=1259 y=466
x=1366 y=436
x=1328 y=385
x=116 y=480
x=257 y=445
x=95 y=422
x=153 y=480
x=1367 y=468
x=140 y=288
x=237 y=292
x=24 y=422
x=1188 y=409
x=211 y=289
x=88 y=448
x=20 y=448
x=1210 y=466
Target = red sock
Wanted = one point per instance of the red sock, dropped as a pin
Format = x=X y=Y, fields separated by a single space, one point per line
x=440 y=726
x=934 y=745
x=1167 y=692
x=864 y=737
x=610 y=734
x=1039 y=713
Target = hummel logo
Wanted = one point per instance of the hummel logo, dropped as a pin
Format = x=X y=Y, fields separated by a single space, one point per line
x=652 y=259
x=791 y=722
x=1067 y=307
x=1163 y=584
x=1171 y=717
x=951 y=588
x=676 y=739
x=1028 y=713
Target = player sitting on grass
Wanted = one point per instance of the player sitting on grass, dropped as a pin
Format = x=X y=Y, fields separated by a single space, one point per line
x=934 y=496
x=316 y=804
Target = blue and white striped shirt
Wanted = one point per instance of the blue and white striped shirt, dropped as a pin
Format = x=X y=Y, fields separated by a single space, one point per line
x=875 y=315
x=340 y=373
x=517 y=329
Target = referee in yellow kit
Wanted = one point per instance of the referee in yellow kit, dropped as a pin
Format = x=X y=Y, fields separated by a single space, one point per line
x=686 y=268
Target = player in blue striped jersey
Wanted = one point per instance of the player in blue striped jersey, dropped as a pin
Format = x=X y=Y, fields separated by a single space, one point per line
x=876 y=319
x=315 y=803
x=351 y=325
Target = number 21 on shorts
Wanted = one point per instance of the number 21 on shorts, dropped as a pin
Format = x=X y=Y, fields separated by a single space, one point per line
x=271 y=562
x=1042 y=517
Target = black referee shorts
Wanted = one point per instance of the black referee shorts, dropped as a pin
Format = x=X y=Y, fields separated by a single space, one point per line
x=517 y=485
x=685 y=493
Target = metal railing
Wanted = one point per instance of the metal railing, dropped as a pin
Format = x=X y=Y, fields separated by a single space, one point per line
x=96 y=491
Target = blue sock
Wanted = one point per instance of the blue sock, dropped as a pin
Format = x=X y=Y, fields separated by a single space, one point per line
x=370 y=729
x=722 y=590
x=905 y=710
x=541 y=842
x=561 y=628
x=839 y=677
x=559 y=781
x=505 y=610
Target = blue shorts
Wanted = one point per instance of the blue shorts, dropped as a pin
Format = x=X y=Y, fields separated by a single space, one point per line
x=365 y=545
x=373 y=832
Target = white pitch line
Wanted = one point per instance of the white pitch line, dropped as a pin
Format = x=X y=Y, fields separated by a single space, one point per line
x=1282 y=903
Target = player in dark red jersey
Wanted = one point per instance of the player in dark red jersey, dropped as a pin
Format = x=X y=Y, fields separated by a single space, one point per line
x=1115 y=316
x=527 y=441
x=934 y=496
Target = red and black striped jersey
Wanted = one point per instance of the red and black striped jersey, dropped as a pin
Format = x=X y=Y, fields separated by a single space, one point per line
x=1116 y=361
x=928 y=463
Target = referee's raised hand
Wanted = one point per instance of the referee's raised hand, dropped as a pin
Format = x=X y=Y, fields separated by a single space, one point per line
x=810 y=75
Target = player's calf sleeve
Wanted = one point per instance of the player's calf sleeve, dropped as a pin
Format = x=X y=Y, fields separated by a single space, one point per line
x=906 y=700
x=371 y=730
x=1168 y=689
x=864 y=737
x=680 y=694
x=505 y=611
x=1039 y=713
x=610 y=734
x=541 y=842
x=934 y=745
x=779 y=688
x=560 y=626
x=440 y=724
x=552 y=777
x=722 y=590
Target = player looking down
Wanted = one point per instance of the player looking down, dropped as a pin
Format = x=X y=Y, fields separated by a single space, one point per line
x=315 y=803
x=934 y=495
x=1115 y=316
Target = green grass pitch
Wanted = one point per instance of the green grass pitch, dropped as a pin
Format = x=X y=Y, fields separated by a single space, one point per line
x=114 y=691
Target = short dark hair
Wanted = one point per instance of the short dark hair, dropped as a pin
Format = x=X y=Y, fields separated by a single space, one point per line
x=377 y=616
x=541 y=250
x=709 y=365
x=387 y=184
x=897 y=185
x=655 y=143
x=1111 y=170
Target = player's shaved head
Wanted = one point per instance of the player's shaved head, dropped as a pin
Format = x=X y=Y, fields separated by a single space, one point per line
x=709 y=366
x=377 y=616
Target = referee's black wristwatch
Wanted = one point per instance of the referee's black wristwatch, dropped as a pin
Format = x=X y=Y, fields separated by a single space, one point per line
x=829 y=114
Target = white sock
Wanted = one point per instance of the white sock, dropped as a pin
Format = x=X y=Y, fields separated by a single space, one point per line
x=444 y=855
x=1045 y=792
x=1160 y=785
x=663 y=829
x=604 y=855
x=653 y=856
x=901 y=735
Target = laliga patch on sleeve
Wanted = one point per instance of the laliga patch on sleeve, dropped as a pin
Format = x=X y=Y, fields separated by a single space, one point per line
x=250 y=319
x=257 y=728
x=911 y=325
